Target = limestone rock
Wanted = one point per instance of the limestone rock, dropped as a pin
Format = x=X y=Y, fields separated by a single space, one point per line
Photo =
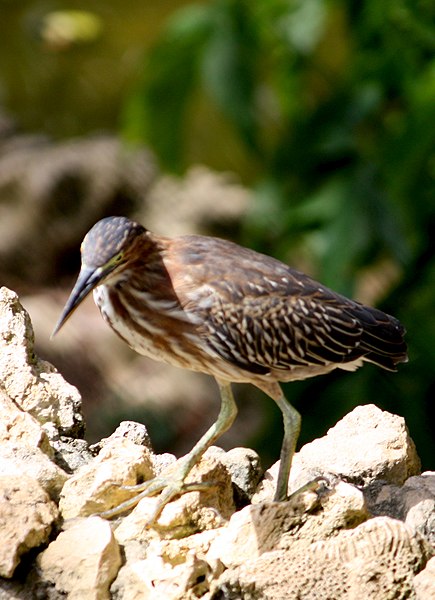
x=253 y=531
x=414 y=503
x=25 y=448
x=155 y=579
x=244 y=467
x=389 y=453
x=97 y=486
x=135 y=432
x=73 y=183
x=261 y=528
x=15 y=590
x=199 y=546
x=424 y=582
x=419 y=505
x=198 y=511
x=163 y=462
x=16 y=461
x=33 y=384
x=200 y=202
x=26 y=518
x=376 y=560
x=18 y=427
x=82 y=561
x=70 y=453
x=173 y=569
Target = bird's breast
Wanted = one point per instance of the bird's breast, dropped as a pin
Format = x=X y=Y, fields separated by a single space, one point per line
x=159 y=329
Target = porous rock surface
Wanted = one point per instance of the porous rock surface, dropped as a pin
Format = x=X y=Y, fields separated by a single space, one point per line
x=82 y=561
x=33 y=384
x=364 y=532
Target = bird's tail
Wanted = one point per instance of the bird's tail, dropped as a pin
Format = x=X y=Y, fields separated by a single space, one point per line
x=382 y=339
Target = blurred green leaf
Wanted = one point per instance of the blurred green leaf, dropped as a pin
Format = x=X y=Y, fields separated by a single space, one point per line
x=228 y=67
x=156 y=112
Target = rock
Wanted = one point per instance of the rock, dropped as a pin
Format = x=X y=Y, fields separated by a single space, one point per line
x=70 y=453
x=33 y=384
x=71 y=184
x=97 y=486
x=201 y=202
x=255 y=530
x=163 y=462
x=413 y=503
x=25 y=449
x=26 y=518
x=82 y=561
x=343 y=507
x=155 y=579
x=424 y=582
x=262 y=528
x=135 y=432
x=15 y=590
x=419 y=505
x=18 y=427
x=16 y=461
x=377 y=559
x=389 y=453
x=244 y=466
x=169 y=569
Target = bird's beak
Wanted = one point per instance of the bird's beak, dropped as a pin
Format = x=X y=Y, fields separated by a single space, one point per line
x=87 y=280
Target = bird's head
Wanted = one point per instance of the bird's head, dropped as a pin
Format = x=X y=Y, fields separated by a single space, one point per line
x=104 y=250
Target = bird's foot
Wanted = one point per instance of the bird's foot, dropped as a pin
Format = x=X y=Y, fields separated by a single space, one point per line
x=168 y=487
x=317 y=485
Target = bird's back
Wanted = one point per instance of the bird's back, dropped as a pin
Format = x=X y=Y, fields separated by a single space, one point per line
x=264 y=317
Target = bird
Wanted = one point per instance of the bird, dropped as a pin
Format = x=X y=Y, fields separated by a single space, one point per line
x=209 y=305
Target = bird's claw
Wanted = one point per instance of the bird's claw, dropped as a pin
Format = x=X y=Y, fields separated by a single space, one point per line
x=318 y=485
x=169 y=488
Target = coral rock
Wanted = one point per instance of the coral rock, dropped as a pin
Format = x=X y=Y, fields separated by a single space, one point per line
x=97 y=486
x=376 y=560
x=389 y=453
x=82 y=561
x=414 y=503
x=424 y=582
x=33 y=384
x=26 y=518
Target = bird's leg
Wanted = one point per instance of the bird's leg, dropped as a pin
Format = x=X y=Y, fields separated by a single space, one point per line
x=227 y=414
x=292 y=426
x=173 y=485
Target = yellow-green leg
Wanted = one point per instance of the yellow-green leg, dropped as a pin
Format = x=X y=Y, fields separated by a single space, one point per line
x=174 y=485
x=292 y=427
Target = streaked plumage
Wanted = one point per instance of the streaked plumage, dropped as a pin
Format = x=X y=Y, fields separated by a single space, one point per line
x=212 y=306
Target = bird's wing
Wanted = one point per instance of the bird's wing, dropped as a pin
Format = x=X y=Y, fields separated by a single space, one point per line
x=277 y=333
x=261 y=315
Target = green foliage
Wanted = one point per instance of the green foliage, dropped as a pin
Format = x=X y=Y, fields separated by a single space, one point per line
x=333 y=103
x=156 y=112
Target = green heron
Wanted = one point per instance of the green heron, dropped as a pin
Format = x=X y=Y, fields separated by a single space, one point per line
x=209 y=305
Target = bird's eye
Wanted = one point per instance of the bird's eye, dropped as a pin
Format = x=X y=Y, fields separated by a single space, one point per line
x=116 y=259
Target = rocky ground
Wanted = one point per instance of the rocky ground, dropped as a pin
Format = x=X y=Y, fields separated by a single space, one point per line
x=368 y=533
